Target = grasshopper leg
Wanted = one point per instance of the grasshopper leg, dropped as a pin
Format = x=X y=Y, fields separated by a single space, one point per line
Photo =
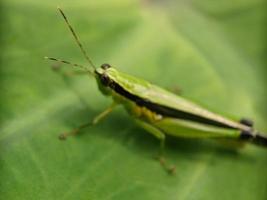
x=74 y=131
x=96 y=119
x=104 y=113
x=161 y=136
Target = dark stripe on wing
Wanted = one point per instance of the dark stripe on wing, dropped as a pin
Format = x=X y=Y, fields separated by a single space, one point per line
x=164 y=110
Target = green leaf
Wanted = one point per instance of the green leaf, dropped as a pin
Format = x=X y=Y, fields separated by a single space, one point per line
x=215 y=51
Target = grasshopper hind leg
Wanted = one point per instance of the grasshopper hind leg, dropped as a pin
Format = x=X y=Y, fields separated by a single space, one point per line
x=161 y=136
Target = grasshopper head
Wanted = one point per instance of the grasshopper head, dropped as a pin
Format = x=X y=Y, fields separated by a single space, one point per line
x=104 y=82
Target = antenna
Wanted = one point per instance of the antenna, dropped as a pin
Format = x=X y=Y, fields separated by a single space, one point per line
x=76 y=38
x=69 y=63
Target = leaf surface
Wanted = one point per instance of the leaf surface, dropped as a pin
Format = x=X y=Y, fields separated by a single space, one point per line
x=213 y=50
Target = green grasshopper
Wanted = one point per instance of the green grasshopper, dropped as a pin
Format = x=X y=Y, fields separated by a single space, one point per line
x=159 y=111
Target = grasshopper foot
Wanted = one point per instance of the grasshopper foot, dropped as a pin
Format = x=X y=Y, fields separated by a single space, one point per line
x=64 y=136
x=170 y=169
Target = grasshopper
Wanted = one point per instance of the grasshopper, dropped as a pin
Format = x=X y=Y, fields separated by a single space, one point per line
x=159 y=111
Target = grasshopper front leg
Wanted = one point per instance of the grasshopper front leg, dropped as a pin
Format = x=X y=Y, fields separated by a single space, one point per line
x=103 y=114
x=96 y=119
x=161 y=136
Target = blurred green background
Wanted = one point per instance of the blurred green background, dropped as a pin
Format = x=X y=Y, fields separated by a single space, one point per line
x=215 y=51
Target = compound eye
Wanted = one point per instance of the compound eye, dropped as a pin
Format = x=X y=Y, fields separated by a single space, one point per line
x=105 y=66
x=105 y=80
